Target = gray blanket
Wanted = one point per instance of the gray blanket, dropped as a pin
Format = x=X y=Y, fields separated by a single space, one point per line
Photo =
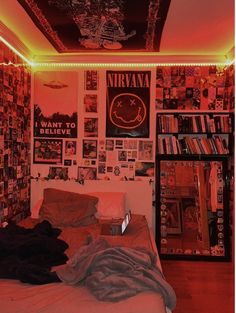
x=116 y=273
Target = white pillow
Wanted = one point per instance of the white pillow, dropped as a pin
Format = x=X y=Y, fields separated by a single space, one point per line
x=110 y=204
x=36 y=208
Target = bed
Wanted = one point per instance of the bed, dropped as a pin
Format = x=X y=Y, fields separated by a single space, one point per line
x=61 y=297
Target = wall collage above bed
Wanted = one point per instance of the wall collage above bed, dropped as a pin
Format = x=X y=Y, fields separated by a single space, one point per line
x=91 y=124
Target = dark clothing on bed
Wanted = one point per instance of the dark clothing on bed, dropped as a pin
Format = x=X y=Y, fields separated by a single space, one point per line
x=29 y=254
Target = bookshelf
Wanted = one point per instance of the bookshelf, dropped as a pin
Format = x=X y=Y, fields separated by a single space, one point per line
x=194 y=133
x=193 y=153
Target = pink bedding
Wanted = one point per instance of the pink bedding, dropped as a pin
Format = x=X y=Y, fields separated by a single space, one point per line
x=16 y=297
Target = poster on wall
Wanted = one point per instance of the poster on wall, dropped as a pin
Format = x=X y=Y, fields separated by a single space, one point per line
x=128 y=103
x=48 y=151
x=55 y=106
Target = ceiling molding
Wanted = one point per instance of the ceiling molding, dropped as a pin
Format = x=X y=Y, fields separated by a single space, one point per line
x=13 y=40
x=130 y=58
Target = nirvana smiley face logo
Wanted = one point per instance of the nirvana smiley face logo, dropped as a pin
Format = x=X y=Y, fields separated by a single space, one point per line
x=127 y=111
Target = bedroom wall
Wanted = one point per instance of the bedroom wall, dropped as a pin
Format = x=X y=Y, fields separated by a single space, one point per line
x=15 y=88
x=86 y=148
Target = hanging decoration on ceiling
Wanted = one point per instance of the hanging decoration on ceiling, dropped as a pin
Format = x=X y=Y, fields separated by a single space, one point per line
x=92 y=25
x=128 y=101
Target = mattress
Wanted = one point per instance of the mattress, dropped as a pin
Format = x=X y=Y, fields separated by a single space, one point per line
x=16 y=297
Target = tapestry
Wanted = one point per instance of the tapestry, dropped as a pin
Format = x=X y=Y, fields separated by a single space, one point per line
x=92 y=25
x=128 y=103
x=55 y=105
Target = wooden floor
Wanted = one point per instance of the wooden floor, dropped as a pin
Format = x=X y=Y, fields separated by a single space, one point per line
x=201 y=287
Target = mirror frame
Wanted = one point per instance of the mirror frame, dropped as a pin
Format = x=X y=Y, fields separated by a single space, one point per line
x=226 y=199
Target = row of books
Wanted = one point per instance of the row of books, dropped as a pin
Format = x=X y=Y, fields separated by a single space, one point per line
x=192 y=145
x=202 y=123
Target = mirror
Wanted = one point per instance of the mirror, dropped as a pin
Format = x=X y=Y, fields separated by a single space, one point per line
x=192 y=214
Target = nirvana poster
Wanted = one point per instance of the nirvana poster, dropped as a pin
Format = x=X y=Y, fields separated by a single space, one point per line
x=55 y=108
x=128 y=103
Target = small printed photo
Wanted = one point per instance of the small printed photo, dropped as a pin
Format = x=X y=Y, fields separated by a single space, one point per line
x=109 y=145
x=102 y=156
x=1 y=189
x=90 y=127
x=102 y=168
x=90 y=103
x=144 y=169
x=109 y=169
x=67 y=162
x=119 y=143
x=145 y=151
x=122 y=155
x=87 y=173
x=91 y=80
x=58 y=173
x=89 y=149
x=130 y=144
x=70 y=148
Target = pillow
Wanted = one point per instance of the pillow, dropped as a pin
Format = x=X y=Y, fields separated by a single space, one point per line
x=35 y=210
x=110 y=204
x=63 y=208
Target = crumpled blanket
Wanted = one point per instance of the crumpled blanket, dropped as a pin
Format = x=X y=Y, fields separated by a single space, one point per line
x=28 y=254
x=116 y=273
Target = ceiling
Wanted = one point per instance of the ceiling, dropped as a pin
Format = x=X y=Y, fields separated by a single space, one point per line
x=193 y=30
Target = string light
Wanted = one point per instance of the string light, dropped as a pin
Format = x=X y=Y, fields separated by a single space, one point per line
x=104 y=65
x=15 y=51
x=99 y=65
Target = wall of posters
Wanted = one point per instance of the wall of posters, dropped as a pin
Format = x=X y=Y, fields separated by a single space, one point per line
x=55 y=104
x=116 y=118
x=15 y=119
x=128 y=103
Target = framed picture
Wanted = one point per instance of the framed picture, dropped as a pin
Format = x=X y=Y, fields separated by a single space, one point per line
x=173 y=217
x=58 y=173
x=144 y=169
x=48 y=151
x=87 y=173
x=90 y=149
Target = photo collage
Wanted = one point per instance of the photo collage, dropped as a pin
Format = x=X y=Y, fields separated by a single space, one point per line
x=14 y=137
x=90 y=156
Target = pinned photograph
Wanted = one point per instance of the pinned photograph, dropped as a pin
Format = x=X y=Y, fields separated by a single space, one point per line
x=91 y=80
x=90 y=103
x=70 y=148
x=1 y=189
x=109 y=145
x=102 y=156
x=144 y=169
x=122 y=155
x=58 y=173
x=87 y=173
x=145 y=151
x=89 y=149
x=90 y=127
